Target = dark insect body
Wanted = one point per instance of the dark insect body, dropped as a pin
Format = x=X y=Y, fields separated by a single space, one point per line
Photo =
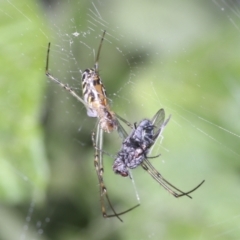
x=135 y=149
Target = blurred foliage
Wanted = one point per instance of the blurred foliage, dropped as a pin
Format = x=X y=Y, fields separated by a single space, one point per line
x=22 y=155
x=179 y=56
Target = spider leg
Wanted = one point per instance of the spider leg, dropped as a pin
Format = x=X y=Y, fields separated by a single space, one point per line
x=164 y=183
x=155 y=156
x=65 y=86
x=98 y=53
x=125 y=121
x=98 y=163
x=100 y=150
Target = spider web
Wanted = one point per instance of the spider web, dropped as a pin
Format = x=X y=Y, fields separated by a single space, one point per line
x=182 y=57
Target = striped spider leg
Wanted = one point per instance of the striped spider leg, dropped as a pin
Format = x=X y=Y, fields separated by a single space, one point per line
x=135 y=149
x=98 y=163
x=96 y=103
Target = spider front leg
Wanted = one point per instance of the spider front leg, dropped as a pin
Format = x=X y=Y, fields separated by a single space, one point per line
x=98 y=163
x=97 y=143
x=64 y=86
x=147 y=166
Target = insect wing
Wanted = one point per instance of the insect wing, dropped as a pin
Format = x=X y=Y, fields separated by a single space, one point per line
x=159 y=123
x=158 y=118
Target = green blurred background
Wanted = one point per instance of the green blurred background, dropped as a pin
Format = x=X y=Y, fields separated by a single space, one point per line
x=180 y=56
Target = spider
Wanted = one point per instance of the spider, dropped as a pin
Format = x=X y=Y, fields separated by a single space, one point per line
x=96 y=103
x=94 y=93
x=135 y=149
